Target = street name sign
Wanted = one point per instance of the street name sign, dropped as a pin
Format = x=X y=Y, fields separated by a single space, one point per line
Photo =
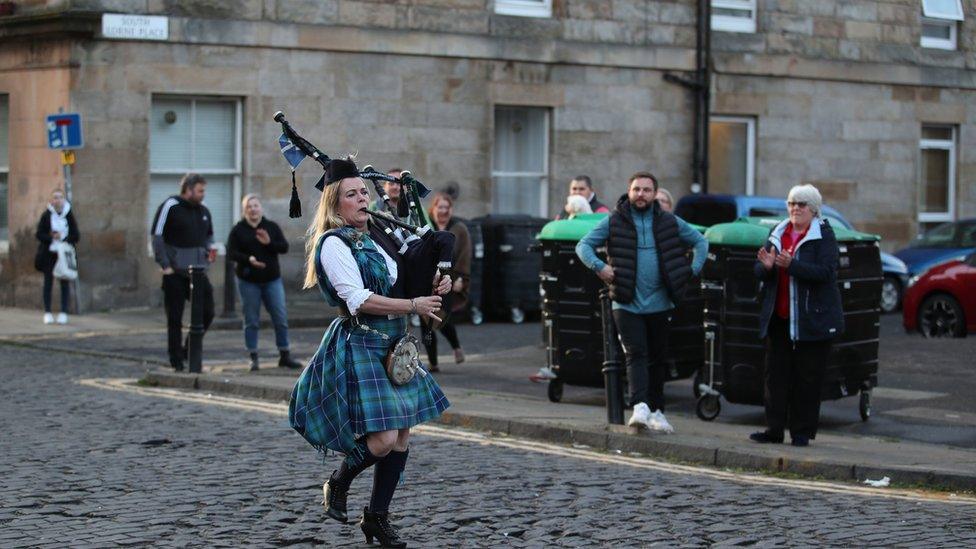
x=135 y=27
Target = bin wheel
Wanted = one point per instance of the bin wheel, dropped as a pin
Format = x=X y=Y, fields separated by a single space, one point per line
x=708 y=407
x=476 y=316
x=865 y=405
x=555 y=390
x=518 y=316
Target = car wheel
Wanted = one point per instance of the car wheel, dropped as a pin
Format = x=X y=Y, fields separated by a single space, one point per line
x=890 y=294
x=941 y=316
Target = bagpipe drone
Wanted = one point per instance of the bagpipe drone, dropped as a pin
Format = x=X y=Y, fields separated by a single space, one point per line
x=426 y=252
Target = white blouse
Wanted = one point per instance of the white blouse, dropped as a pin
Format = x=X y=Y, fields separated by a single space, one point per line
x=340 y=266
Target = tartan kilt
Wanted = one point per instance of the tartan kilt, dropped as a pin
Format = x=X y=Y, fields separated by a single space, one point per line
x=376 y=404
x=344 y=392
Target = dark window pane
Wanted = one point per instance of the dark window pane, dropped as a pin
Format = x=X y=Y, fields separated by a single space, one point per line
x=934 y=191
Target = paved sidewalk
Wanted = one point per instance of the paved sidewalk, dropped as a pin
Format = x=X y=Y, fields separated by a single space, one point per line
x=832 y=456
x=19 y=324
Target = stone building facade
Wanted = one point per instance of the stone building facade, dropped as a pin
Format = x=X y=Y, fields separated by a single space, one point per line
x=508 y=105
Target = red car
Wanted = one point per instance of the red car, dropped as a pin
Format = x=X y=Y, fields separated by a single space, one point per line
x=941 y=302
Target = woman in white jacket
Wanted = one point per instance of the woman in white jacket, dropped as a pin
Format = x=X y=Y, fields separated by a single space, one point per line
x=57 y=225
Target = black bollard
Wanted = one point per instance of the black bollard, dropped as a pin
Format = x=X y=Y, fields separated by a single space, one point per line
x=612 y=370
x=195 y=343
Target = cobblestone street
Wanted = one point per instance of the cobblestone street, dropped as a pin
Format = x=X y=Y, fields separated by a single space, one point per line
x=82 y=465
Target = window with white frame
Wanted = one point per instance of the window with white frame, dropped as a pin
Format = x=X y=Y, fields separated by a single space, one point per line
x=734 y=15
x=937 y=174
x=4 y=170
x=732 y=154
x=520 y=161
x=200 y=135
x=940 y=23
x=524 y=8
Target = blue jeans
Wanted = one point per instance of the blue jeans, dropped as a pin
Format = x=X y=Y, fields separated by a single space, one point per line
x=273 y=295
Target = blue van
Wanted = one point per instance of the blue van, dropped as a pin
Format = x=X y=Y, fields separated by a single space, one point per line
x=711 y=209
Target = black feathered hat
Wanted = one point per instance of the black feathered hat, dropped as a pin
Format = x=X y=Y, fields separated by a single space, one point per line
x=337 y=170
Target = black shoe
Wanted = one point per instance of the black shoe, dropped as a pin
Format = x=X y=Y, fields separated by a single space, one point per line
x=377 y=525
x=286 y=361
x=335 y=499
x=765 y=437
x=177 y=364
x=255 y=363
x=800 y=440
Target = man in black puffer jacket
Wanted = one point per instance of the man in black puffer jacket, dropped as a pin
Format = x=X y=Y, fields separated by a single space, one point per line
x=647 y=273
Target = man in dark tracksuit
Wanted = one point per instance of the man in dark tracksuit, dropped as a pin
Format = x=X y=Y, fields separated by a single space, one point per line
x=182 y=237
x=647 y=272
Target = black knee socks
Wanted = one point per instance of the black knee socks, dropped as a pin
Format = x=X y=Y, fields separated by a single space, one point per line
x=356 y=462
x=386 y=476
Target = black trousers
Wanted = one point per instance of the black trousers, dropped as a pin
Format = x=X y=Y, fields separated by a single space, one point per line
x=449 y=332
x=49 y=289
x=176 y=292
x=645 y=342
x=794 y=377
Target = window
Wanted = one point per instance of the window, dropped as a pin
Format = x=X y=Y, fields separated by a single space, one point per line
x=524 y=8
x=520 y=161
x=941 y=236
x=731 y=155
x=201 y=135
x=4 y=170
x=940 y=23
x=734 y=15
x=937 y=174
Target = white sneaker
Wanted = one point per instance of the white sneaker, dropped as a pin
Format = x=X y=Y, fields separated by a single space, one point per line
x=641 y=416
x=48 y=318
x=62 y=318
x=544 y=374
x=660 y=423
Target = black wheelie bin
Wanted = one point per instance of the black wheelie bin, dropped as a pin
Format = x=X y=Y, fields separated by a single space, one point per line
x=509 y=289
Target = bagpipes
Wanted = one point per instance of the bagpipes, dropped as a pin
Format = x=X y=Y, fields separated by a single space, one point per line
x=425 y=252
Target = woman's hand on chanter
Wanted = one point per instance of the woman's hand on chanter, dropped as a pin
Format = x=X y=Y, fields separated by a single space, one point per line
x=442 y=284
x=427 y=305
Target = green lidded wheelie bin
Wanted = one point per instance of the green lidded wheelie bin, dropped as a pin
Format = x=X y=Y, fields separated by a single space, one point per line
x=571 y=312
x=735 y=356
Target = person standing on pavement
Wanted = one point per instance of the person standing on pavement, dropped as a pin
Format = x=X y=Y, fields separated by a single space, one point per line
x=254 y=245
x=344 y=400
x=393 y=190
x=57 y=224
x=647 y=273
x=441 y=215
x=182 y=237
x=800 y=315
x=582 y=185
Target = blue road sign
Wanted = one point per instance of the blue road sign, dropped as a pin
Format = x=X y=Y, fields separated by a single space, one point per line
x=64 y=131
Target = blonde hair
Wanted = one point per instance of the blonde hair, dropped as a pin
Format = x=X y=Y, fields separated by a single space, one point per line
x=325 y=219
x=668 y=195
x=247 y=198
x=438 y=196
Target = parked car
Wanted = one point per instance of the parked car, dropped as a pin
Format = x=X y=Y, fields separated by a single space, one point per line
x=711 y=209
x=941 y=301
x=945 y=241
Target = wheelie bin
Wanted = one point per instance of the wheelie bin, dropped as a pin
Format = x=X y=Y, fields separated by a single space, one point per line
x=511 y=266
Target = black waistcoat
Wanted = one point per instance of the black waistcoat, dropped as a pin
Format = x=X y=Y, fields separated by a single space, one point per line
x=672 y=258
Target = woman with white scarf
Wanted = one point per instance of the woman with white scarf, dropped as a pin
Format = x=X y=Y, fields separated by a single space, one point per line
x=57 y=225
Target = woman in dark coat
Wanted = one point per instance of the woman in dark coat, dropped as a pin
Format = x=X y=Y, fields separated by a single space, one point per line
x=57 y=224
x=441 y=215
x=801 y=314
x=344 y=401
